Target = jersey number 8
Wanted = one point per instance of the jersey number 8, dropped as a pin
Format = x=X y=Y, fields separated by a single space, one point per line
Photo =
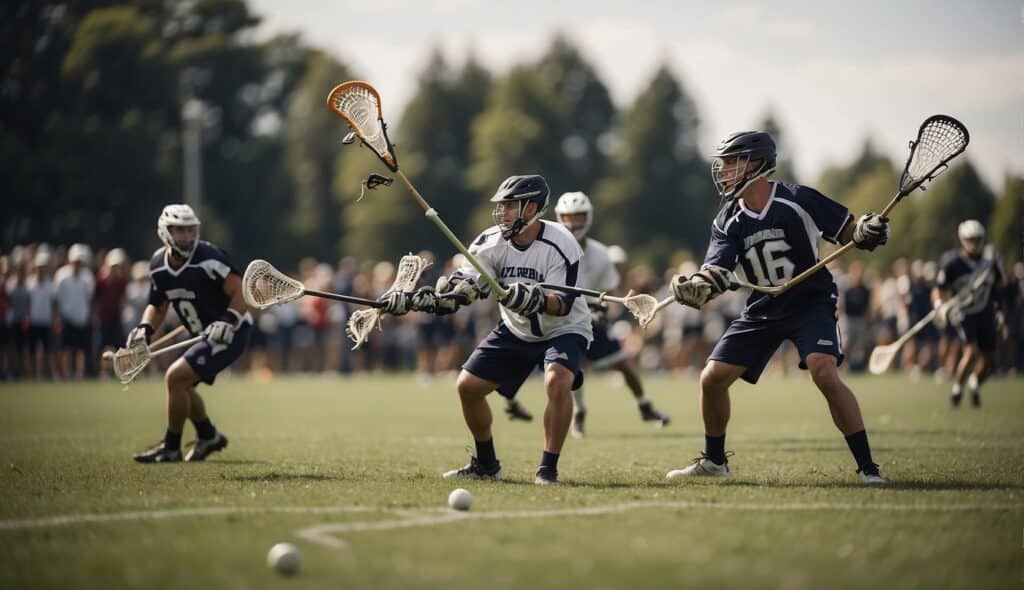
x=189 y=316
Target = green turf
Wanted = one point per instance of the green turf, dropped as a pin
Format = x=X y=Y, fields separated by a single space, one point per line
x=793 y=517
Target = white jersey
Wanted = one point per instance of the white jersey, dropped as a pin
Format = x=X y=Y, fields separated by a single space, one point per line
x=597 y=272
x=553 y=257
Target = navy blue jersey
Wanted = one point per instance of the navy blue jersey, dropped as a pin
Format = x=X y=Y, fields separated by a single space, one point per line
x=196 y=289
x=956 y=270
x=777 y=244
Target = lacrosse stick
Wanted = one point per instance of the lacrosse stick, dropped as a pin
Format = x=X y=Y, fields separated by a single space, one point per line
x=643 y=307
x=129 y=362
x=940 y=139
x=109 y=355
x=363 y=321
x=968 y=297
x=358 y=104
x=264 y=286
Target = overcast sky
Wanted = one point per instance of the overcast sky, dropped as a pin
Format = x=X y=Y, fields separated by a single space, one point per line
x=833 y=72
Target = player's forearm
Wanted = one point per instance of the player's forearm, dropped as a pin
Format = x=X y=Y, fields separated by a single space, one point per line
x=556 y=305
x=154 y=315
x=847 y=233
x=233 y=289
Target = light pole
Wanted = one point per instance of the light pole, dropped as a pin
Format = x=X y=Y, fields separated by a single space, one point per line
x=192 y=148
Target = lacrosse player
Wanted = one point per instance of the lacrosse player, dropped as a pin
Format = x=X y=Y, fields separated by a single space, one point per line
x=205 y=288
x=536 y=327
x=597 y=272
x=980 y=321
x=771 y=230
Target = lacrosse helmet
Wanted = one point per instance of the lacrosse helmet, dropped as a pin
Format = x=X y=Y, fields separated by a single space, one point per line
x=523 y=190
x=971 y=230
x=178 y=216
x=742 y=147
x=574 y=204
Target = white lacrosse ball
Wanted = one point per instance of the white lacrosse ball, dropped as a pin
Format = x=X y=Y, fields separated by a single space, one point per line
x=284 y=557
x=460 y=499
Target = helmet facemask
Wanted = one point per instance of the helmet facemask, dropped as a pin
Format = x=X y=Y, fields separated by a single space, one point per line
x=182 y=250
x=732 y=180
x=520 y=223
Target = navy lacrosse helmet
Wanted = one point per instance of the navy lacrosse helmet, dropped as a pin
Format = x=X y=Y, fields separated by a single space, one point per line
x=523 y=190
x=743 y=147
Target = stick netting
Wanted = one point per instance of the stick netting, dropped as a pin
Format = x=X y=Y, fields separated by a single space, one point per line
x=939 y=140
x=129 y=362
x=363 y=321
x=643 y=308
x=359 y=104
x=264 y=286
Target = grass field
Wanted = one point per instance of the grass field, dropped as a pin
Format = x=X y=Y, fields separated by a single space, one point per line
x=349 y=471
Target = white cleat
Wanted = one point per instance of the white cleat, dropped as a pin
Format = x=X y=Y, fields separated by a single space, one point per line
x=871 y=476
x=701 y=467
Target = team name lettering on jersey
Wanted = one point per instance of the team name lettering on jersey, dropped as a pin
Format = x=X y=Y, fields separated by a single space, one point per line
x=519 y=272
x=765 y=234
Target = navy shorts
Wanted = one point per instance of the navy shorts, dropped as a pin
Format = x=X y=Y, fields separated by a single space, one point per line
x=605 y=350
x=504 y=359
x=75 y=337
x=979 y=329
x=207 y=359
x=751 y=343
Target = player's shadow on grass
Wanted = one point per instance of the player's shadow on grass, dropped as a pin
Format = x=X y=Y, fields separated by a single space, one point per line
x=282 y=477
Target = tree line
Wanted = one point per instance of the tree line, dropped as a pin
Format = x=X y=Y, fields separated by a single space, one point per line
x=91 y=144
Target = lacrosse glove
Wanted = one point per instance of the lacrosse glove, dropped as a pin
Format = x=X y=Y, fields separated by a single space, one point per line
x=525 y=299
x=871 y=231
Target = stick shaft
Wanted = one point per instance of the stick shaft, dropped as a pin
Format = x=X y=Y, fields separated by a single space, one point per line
x=168 y=337
x=432 y=214
x=576 y=291
x=345 y=298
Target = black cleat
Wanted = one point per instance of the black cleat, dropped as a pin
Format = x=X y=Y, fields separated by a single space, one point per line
x=159 y=453
x=546 y=476
x=202 y=448
x=515 y=411
x=955 y=399
x=475 y=471
x=975 y=400
x=649 y=414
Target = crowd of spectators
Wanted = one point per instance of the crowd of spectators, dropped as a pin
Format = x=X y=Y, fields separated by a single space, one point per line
x=63 y=306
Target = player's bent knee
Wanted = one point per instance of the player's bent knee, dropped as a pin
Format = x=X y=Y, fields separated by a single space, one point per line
x=822 y=368
x=470 y=386
x=717 y=376
x=558 y=379
x=180 y=376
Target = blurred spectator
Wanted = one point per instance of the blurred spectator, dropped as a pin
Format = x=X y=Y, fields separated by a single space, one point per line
x=111 y=290
x=42 y=295
x=74 y=285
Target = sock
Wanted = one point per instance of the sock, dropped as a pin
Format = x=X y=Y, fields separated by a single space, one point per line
x=642 y=400
x=957 y=389
x=577 y=400
x=714 y=448
x=205 y=429
x=972 y=383
x=485 y=452
x=549 y=460
x=858 y=443
x=510 y=402
x=172 y=440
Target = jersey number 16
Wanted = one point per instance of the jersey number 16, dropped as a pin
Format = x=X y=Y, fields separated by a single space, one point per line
x=767 y=263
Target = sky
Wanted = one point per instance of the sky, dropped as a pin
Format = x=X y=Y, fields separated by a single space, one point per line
x=833 y=73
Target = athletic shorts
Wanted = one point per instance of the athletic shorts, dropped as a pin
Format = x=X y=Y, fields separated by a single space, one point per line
x=111 y=333
x=605 y=350
x=75 y=337
x=750 y=343
x=504 y=359
x=207 y=359
x=979 y=329
x=40 y=335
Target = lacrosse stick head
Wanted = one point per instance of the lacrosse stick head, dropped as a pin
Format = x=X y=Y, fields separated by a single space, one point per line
x=129 y=362
x=643 y=307
x=264 y=286
x=358 y=104
x=881 y=358
x=363 y=321
x=940 y=139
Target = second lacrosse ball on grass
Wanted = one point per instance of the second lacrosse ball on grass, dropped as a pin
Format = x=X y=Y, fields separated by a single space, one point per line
x=460 y=499
x=284 y=558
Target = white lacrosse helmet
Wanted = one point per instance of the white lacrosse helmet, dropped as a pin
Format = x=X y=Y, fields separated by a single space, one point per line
x=972 y=229
x=178 y=215
x=617 y=254
x=572 y=204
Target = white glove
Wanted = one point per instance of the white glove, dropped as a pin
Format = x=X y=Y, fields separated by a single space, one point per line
x=220 y=332
x=396 y=303
x=871 y=231
x=140 y=333
x=694 y=291
x=524 y=299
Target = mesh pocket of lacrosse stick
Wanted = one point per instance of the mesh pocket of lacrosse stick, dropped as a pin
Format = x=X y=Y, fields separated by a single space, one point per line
x=358 y=104
x=940 y=139
x=129 y=362
x=363 y=321
x=264 y=286
x=643 y=307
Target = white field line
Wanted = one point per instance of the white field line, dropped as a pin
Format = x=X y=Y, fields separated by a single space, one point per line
x=73 y=519
x=326 y=534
